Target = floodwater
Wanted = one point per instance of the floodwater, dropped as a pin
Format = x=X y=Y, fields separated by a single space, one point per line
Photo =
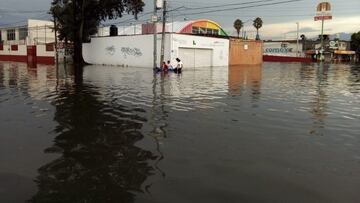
x=278 y=133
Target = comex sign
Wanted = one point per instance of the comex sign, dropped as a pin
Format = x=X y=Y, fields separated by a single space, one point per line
x=283 y=49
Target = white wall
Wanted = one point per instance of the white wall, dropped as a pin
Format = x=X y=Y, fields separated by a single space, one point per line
x=282 y=49
x=122 y=30
x=38 y=33
x=137 y=50
x=22 y=50
x=219 y=47
x=41 y=51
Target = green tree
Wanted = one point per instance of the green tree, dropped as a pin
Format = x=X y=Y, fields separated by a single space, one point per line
x=355 y=42
x=77 y=20
x=258 y=23
x=238 y=24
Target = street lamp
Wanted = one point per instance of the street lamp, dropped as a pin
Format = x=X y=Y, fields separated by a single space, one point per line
x=297 y=38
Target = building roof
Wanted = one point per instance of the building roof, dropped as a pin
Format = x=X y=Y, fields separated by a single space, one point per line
x=27 y=23
x=186 y=26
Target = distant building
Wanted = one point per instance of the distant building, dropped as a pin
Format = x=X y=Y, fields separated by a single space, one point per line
x=198 y=43
x=306 y=50
x=334 y=50
x=31 y=32
x=284 y=51
x=33 y=39
x=197 y=27
x=283 y=48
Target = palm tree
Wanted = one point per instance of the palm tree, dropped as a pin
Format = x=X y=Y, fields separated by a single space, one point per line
x=238 y=24
x=258 y=23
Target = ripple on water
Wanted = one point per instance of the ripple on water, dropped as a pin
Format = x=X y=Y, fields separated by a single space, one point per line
x=278 y=123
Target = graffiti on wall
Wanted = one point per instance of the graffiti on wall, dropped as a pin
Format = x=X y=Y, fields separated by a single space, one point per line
x=110 y=50
x=127 y=51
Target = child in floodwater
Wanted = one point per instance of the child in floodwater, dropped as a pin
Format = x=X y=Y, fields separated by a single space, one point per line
x=165 y=67
x=171 y=68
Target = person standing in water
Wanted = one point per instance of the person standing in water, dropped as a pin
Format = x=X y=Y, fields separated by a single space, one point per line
x=165 y=67
x=171 y=68
x=179 y=66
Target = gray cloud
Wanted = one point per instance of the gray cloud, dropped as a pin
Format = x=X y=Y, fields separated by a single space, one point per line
x=285 y=13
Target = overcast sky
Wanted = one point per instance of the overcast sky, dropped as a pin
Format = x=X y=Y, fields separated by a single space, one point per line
x=279 y=20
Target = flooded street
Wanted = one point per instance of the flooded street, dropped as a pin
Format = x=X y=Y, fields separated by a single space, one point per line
x=283 y=132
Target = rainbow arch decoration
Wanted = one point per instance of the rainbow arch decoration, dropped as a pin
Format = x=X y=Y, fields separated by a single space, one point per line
x=203 y=27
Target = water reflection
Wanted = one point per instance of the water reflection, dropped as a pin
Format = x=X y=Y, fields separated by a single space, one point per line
x=354 y=79
x=244 y=78
x=115 y=133
x=319 y=104
x=98 y=157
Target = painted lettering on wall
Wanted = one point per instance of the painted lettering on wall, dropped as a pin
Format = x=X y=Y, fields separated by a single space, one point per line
x=283 y=49
x=278 y=50
x=127 y=51
x=110 y=50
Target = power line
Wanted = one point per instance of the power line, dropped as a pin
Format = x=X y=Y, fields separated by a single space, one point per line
x=22 y=11
x=243 y=7
x=143 y=15
x=227 y=9
x=128 y=20
x=231 y=4
x=25 y=21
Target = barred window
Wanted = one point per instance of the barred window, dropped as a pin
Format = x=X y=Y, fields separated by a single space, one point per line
x=23 y=33
x=11 y=34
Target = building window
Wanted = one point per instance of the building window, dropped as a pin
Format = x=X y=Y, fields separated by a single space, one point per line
x=0 y=38
x=23 y=33
x=210 y=31
x=11 y=34
x=49 y=47
x=1 y=47
x=14 y=47
x=195 y=30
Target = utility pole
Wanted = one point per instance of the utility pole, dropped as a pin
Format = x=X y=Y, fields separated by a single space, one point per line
x=45 y=34
x=155 y=33
x=163 y=34
x=297 y=39
x=56 y=41
x=322 y=41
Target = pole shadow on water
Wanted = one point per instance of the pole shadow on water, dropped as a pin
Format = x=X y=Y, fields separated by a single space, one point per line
x=98 y=157
x=320 y=102
x=159 y=116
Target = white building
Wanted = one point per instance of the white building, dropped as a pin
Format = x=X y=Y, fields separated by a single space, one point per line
x=31 y=32
x=33 y=39
x=209 y=49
